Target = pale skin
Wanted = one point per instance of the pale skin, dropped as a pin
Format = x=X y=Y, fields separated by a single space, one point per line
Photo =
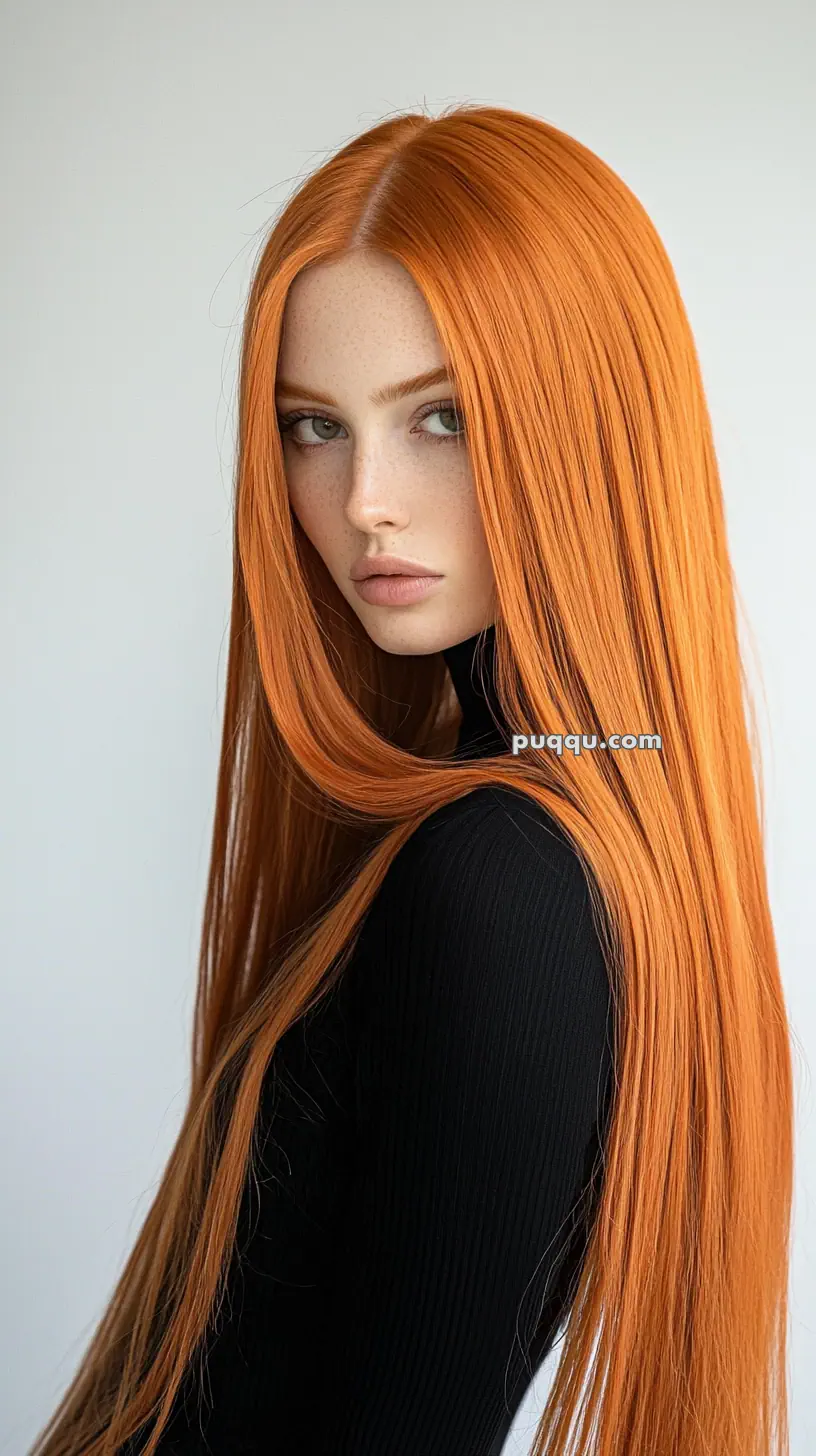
x=369 y=476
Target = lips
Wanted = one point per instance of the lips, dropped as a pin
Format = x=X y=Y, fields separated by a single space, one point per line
x=368 y=566
x=396 y=589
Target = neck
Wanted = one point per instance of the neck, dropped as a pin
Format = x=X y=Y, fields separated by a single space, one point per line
x=472 y=665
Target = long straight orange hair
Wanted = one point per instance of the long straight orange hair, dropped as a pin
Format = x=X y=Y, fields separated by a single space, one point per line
x=596 y=476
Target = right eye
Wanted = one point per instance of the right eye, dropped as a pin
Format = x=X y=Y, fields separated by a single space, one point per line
x=317 y=423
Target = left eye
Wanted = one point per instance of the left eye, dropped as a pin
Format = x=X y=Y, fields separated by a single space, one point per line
x=452 y=421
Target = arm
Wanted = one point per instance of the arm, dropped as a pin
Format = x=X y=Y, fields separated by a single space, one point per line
x=485 y=1049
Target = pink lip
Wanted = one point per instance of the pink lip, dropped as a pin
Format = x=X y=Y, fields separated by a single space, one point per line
x=395 y=590
x=385 y=565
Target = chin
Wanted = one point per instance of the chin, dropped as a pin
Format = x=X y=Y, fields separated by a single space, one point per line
x=407 y=631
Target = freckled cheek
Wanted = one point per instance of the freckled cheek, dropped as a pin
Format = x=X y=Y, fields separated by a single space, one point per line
x=455 y=506
x=316 y=497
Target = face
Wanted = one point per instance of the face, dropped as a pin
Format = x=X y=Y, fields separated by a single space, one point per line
x=375 y=456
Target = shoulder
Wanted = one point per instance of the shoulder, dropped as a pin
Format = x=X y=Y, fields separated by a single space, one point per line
x=481 y=963
x=494 y=852
x=500 y=814
x=491 y=888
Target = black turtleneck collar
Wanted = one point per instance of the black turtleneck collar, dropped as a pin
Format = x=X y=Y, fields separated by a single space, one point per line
x=471 y=665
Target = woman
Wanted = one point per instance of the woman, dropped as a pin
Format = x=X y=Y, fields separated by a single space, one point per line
x=487 y=1041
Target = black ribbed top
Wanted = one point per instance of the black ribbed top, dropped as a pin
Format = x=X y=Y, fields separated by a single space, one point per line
x=429 y=1135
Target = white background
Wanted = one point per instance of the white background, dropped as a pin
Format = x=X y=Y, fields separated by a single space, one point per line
x=146 y=148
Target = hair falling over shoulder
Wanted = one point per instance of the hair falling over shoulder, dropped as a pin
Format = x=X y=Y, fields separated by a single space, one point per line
x=595 y=471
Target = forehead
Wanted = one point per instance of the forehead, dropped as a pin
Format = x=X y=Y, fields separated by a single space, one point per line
x=361 y=311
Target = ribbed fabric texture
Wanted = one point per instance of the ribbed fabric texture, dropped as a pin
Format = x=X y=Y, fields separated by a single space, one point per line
x=410 y=1252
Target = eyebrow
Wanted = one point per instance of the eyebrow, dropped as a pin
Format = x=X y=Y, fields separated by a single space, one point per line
x=386 y=395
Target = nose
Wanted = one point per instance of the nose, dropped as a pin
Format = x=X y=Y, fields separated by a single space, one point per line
x=375 y=498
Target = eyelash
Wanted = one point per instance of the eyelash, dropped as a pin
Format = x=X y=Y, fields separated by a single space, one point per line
x=285 y=423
